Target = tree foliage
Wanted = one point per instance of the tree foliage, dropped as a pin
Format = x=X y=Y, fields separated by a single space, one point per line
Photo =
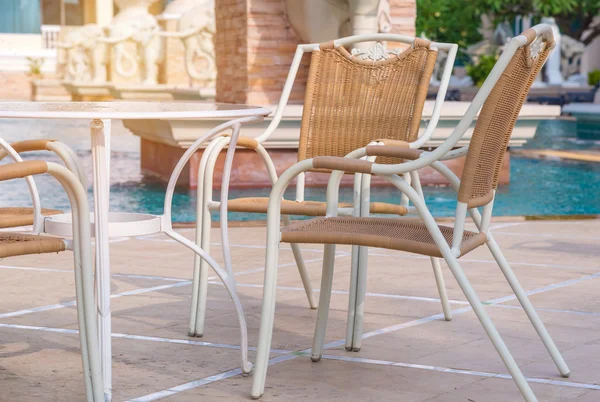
x=458 y=21
x=449 y=21
x=574 y=17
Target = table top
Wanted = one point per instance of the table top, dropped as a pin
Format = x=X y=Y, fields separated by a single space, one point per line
x=171 y=110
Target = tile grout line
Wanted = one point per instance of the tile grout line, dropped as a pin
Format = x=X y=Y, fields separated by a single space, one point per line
x=288 y=355
x=385 y=330
x=178 y=283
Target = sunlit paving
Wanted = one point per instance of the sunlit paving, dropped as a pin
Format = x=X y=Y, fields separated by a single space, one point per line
x=386 y=200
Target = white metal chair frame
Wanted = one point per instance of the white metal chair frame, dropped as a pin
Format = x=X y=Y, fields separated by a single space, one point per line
x=450 y=253
x=206 y=204
x=82 y=254
x=81 y=214
x=224 y=274
x=66 y=154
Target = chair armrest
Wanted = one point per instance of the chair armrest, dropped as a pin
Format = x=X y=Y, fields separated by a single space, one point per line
x=398 y=143
x=27 y=146
x=19 y=170
x=245 y=142
x=341 y=163
x=456 y=153
x=397 y=151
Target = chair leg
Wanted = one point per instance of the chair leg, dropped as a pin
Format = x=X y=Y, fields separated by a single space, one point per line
x=528 y=307
x=83 y=333
x=91 y=332
x=435 y=263
x=352 y=299
x=195 y=283
x=441 y=287
x=361 y=290
x=266 y=318
x=86 y=315
x=229 y=282
x=203 y=283
x=324 y=302
x=489 y=327
x=310 y=295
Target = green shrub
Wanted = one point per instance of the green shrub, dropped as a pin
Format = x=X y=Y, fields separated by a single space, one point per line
x=450 y=21
x=479 y=72
x=35 y=66
x=594 y=77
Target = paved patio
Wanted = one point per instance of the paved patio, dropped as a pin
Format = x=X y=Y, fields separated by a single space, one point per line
x=409 y=354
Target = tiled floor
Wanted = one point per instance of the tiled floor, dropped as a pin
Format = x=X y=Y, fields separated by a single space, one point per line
x=408 y=353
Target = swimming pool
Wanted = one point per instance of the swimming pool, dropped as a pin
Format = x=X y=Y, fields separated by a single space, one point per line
x=537 y=187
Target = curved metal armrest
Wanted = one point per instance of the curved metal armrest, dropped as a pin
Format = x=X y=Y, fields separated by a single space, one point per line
x=397 y=151
x=234 y=125
x=342 y=164
x=67 y=155
x=456 y=153
x=27 y=146
x=244 y=142
x=19 y=170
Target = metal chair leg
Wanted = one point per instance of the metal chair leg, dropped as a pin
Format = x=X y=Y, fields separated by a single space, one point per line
x=324 y=302
x=267 y=315
x=441 y=287
x=228 y=280
x=203 y=274
x=310 y=295
x=361 y=290
x=528 y=307
x=352 y=299
x=489 y=327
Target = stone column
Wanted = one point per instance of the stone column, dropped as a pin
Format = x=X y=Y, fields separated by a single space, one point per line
x=172 y=70
x=255 y=45
x=98 y=12
x=254 y=49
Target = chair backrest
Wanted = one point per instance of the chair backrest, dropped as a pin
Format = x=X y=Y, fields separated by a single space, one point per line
x=497 y=119
x=351 y=101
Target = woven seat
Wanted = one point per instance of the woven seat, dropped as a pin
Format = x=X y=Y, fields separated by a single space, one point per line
x=306 y=208
x=396 y=234
x=13 y=244
x=15 y=216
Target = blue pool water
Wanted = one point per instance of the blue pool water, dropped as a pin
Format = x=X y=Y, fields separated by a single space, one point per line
x=537 y=187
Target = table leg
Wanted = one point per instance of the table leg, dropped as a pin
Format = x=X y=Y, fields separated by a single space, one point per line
x=100 y=134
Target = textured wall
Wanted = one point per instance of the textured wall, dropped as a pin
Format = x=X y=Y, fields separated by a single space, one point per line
x=231 y=50
x=255 y=46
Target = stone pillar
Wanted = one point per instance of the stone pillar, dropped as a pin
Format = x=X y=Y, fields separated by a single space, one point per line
x=255 y=46
x=403 y=14
x=98 y=12
x=172 y=70
x=254 y=49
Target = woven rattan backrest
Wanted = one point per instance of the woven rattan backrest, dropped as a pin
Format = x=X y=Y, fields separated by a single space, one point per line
x=350 y=102
x=495 y=124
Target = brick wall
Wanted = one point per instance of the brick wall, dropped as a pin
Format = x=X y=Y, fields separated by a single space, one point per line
x=231 y=50
x=403 y=14
x=255 y=46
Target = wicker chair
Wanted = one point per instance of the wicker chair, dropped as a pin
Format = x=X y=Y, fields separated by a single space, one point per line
x=11 y=217
x=500 y=99
x=351 y=100
x=15 y=244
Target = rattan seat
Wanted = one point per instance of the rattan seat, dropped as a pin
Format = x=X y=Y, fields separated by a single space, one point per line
x=13 y=244
x=306 y=208
x=391 y=233
x=16 y=216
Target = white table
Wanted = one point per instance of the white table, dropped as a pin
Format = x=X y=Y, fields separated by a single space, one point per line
x=100 y=115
